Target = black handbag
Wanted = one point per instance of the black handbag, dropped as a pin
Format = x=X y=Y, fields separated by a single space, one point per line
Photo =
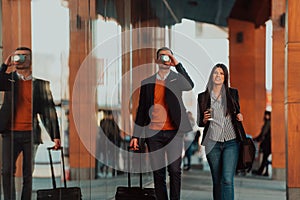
x=247 y=151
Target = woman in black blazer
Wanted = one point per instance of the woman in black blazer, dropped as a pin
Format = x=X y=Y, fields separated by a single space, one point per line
x=218 y=110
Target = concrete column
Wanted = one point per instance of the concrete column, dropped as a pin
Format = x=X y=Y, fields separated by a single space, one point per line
x=143 y=58
x=292 y=99
x=277 y=125
x=16 y=18
x=126 y=67
x=142 y=65
x=247 y=71
x=82 y=163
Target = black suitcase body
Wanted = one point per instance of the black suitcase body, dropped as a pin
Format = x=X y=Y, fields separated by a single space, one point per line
x=61 y=193
x=134 y=193
x=71 y=193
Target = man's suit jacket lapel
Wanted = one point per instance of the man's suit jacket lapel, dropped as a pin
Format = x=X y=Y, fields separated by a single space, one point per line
x=40 y=94
x=171 y=79
x=151 y=87
x=35 y=94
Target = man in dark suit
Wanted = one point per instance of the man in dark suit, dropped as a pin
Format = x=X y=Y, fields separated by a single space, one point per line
x=162 y=116
x=24 y=98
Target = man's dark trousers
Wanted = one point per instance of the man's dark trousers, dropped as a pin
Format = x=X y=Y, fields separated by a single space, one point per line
x=13 y=144
x=162 y=144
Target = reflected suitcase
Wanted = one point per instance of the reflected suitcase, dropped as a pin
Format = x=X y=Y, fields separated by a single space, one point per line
x=134 y=193
x=62 y=193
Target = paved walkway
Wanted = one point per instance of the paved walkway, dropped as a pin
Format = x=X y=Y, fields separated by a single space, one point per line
x=196 y=185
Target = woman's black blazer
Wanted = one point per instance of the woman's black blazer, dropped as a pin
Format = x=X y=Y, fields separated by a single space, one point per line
x=203 y=101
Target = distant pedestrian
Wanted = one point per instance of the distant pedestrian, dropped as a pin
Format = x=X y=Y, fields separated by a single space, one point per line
x=109 y=156
x=218 y=112
x=264 y=138
x=191 y=142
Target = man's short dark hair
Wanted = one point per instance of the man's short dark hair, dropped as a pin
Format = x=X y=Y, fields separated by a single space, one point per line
x=24 y=48
x=161 y=49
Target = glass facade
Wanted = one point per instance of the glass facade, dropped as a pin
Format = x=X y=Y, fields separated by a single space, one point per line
x=94 y=67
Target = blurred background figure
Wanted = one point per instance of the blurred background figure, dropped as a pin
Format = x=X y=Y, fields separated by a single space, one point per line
x=264 y=138
x=191 y=142
x=109 y=157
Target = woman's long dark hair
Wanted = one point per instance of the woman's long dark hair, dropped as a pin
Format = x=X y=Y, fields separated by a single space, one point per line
x=230 y=108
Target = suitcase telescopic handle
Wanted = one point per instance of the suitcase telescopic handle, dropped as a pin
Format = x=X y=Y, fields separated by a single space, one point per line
x=129 y=148
x=128 y=163
x=51 y=165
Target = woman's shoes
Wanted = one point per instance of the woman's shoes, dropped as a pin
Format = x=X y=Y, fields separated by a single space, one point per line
x=266 y=174
x=256 y=172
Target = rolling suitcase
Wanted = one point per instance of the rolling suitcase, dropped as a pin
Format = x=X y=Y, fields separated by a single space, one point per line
x=62 y=193
x=134 y=193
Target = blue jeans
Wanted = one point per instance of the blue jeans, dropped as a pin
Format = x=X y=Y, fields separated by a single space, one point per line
x=13 y=144
x=162 y=145
x=222 y=159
